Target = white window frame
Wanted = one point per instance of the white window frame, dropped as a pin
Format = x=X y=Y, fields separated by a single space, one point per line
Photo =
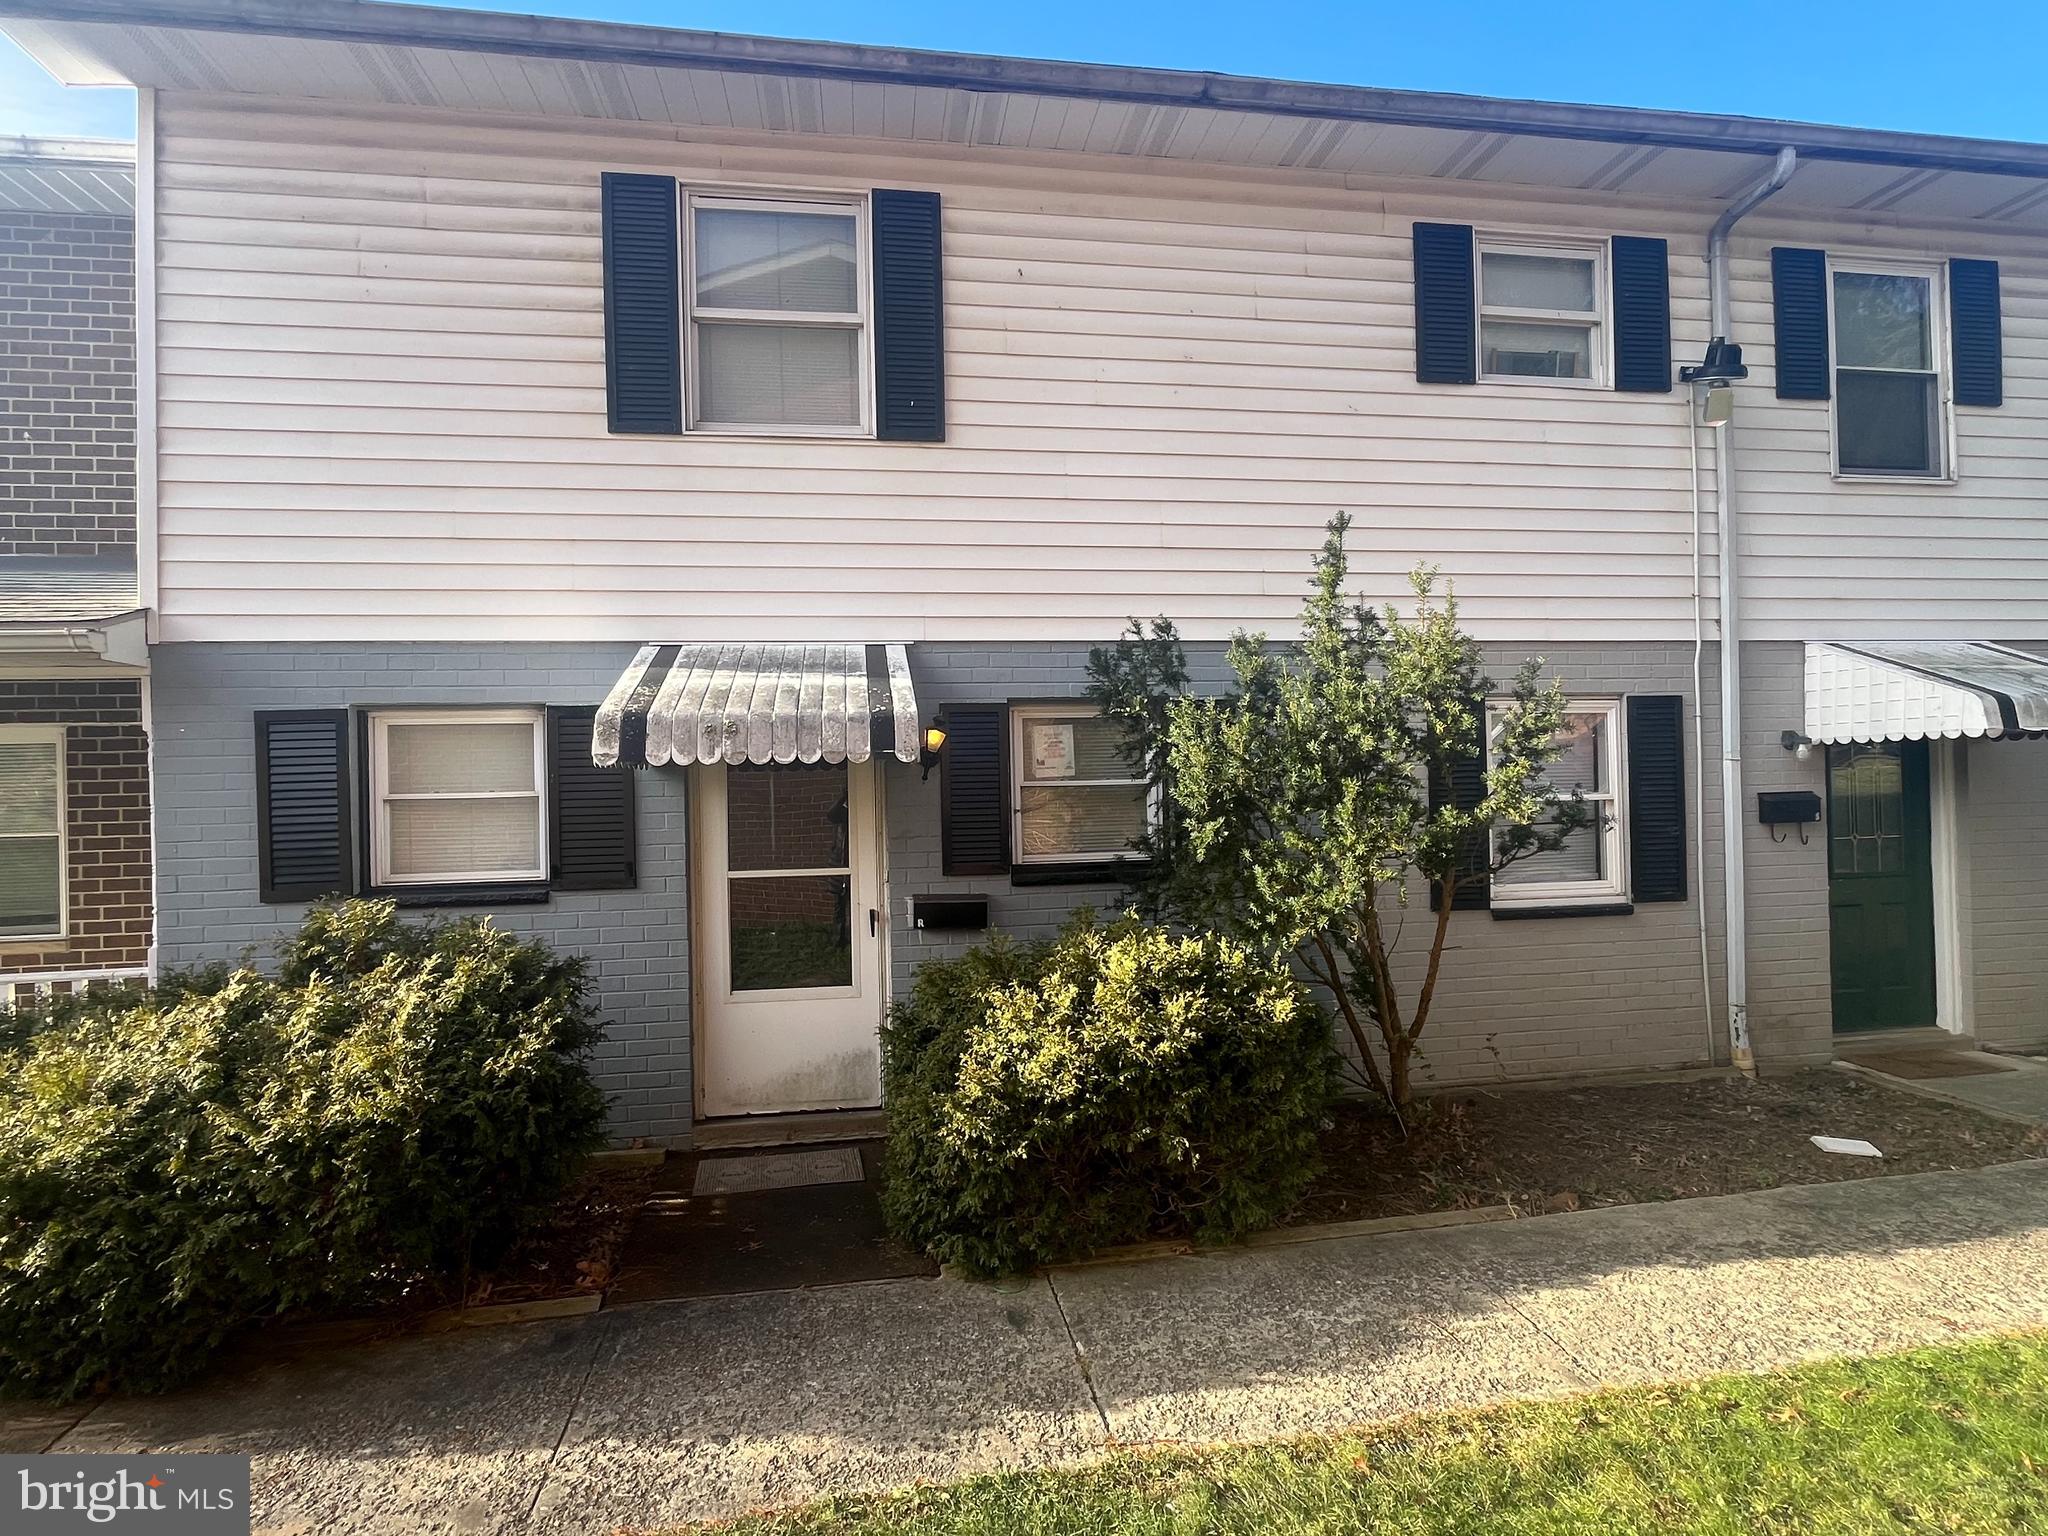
x=1936 y=275
x=381 y=721
x=57 y=736
x=1599 y=345
x=1020 y=716
x=1613 y=828
x=861 y=322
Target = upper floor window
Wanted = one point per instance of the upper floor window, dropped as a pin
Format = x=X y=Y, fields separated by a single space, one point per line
x=1074 y=797
x=31 y=832
x=776 y=293
x=1541 y=310
x=1590 y=867
x=1888 y=345
x=456 y=796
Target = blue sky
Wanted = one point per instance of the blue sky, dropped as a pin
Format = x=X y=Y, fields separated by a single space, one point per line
x=1870 y=63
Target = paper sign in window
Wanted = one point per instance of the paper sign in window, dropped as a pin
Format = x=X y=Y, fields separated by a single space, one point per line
x=1052 y=750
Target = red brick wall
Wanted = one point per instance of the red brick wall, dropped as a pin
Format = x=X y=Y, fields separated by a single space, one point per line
x=106 y=783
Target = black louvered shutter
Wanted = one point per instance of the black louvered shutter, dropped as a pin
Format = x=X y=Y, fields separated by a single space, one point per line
x=1656 y=796
x=643 y=360
x=303 y=838
x=910 y=331
x=1642 y=315
x=1464 y=788
x=974 y=798
x=590 y=810
x=1446 y=320
x=1975 y=332
x=1799 y=313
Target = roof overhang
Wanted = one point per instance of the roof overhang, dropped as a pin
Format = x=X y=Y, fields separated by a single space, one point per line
x=418 y=56
x=1923 y=690
x=759 y=704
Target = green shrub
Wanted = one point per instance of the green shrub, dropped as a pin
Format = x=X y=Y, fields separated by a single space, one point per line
x=1114 y=1084
x=175 y=1166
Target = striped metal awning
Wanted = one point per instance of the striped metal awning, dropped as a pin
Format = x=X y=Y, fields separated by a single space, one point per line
x=759 y=704
x=1921 y=690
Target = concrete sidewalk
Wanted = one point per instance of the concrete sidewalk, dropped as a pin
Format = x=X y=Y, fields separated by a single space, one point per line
x=686 y=1410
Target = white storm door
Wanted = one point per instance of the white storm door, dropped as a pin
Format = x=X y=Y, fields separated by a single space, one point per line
x=789 y=947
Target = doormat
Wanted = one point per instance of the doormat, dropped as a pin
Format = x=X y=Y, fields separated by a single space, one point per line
x=777 y=1170
x=1919 y=1064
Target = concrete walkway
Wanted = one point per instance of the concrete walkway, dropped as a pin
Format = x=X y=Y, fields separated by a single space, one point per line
x=2017 y=1089
x=686 y=1410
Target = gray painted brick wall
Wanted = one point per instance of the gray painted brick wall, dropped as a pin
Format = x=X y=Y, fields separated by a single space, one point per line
x=1791 y=1014
x=2005 y=886
x=206 y=697
x=67 y=383
x=1519 y=999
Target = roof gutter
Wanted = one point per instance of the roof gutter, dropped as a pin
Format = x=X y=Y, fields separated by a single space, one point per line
x=116 y=639
x=363 y=22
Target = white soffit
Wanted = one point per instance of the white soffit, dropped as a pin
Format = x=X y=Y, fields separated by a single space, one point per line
x=1923 y=691
x=614 y=72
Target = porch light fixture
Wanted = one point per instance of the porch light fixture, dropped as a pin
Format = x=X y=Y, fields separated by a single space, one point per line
x=934 y=744
x=1712 y=378
x=1801 y=747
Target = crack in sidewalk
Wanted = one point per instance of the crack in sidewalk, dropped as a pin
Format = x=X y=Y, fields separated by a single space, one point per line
x=1080 y=1356
x=1474 y=1276
x=547 y=1471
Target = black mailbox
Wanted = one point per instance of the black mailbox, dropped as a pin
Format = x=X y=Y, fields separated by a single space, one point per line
x=948 y=914
x=1787 y=807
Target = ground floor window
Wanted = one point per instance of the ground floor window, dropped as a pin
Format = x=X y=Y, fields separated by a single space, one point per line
x=456 y=796
x=31 y=832
x=1073 y=797
x=1591 y=866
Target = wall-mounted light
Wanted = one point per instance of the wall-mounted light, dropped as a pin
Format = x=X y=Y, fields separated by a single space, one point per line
x=1712 y=377
x=934 y=744
x=1801 y=747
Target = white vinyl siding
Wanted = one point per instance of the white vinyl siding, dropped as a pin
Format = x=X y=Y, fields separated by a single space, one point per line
x=382 y=406
x=458 y=797
x=32 y=852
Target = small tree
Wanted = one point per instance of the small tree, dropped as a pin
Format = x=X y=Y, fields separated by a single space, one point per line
x=1296 y=812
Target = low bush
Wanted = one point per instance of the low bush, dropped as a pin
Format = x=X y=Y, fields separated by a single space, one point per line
x=175 y=1165
x=1116 y=1083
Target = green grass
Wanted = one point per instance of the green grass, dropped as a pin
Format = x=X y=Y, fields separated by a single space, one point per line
x=1950 y=1440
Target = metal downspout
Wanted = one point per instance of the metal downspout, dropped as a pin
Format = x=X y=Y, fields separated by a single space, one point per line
x=1734 y=873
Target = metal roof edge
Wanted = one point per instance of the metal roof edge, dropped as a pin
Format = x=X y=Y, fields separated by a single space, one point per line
x=374 y=22
x=116 y=153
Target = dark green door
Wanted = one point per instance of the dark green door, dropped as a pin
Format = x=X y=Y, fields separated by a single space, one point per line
x=1880 y=886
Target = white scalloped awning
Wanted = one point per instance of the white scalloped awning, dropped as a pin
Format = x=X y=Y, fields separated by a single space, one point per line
x=1920 y=690
x=759 y=704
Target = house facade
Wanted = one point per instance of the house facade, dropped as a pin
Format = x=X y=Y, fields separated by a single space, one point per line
x=75 y=896
x=586 y=463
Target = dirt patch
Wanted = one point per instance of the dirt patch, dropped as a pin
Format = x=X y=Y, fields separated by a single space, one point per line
x=1564 y=1149
x=575 y=1250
